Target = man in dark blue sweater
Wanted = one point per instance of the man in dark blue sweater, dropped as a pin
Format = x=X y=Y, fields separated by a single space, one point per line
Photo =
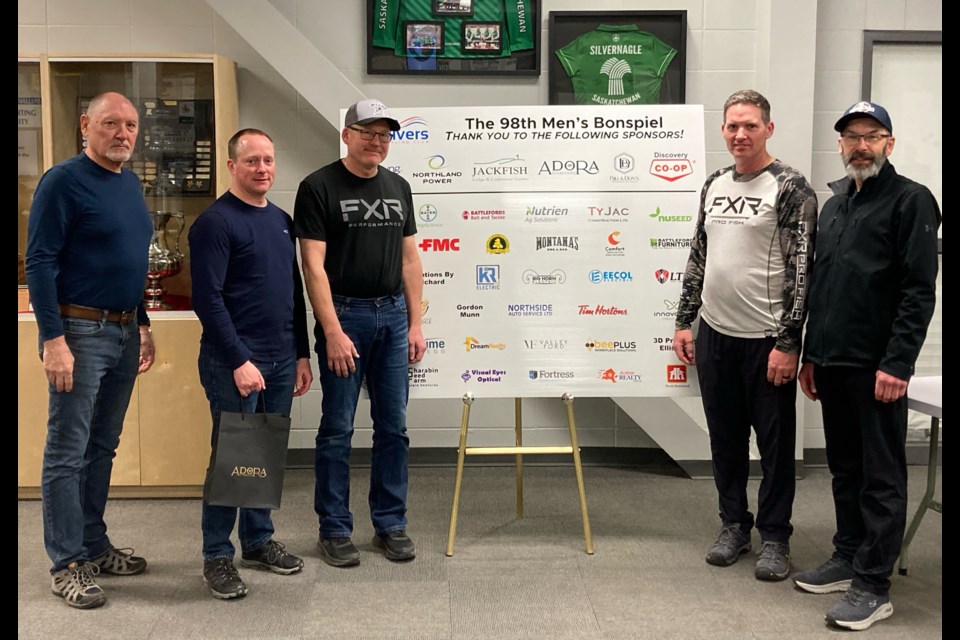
x=254 y=350
x=86 y=262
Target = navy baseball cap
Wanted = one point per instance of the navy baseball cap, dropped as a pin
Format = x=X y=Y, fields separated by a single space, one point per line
x=367 y=111
x=865 y=110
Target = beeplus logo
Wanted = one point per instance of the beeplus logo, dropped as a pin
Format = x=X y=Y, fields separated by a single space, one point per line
x=439 y=244
x=676 y=373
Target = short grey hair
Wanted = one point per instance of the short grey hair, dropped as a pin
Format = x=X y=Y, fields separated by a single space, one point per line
x=748 y=96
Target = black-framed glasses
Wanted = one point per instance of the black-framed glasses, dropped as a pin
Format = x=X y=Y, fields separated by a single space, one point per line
x=853 y=139
x=367 y=134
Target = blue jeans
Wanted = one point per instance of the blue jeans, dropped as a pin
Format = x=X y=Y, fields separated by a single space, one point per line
x=83 y=431
x=378 y=329
x=216 y=523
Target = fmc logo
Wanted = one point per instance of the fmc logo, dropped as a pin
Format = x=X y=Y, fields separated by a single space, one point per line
x=671 y=169
x=439 y=244
x=412 y=129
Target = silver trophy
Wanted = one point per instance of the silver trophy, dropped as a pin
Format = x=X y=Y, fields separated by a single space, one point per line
x=163 y=261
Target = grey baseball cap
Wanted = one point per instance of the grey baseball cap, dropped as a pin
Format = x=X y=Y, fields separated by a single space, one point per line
x=367 y=111
x=865 y=110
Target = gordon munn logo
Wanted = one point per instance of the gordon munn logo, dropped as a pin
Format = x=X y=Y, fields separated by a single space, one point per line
x=249 y=472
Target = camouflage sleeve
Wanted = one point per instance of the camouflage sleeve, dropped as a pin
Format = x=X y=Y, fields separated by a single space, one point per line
x=797 y=224
x=692 y=286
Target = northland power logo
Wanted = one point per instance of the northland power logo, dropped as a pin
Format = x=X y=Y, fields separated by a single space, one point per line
x=422 y=377
x=484 y=214
x=427 y=214
x=436 y=345
x=557 y=276
x=669 y=310
x=488 y=277
x=676 y=374
x=497 y=244
x=483 y=375
x=550 y=374
x=624 y=164
x=670 y=166
x=599 y=277
x=662 y=217
x=664 y=276
x=473 y=344
x=545 y=344
x=600 y=310
x=569 y=168
x=524 y=310
x=614 y=246
x=500 y=169
x=439 y=244
x=437 y=277
x=558 y=243
x=545 y=213
x=624 y=375
x=611 y=346
x=438 y=172
x=412 y=129
x=608 y=214
x=670 y=243
x=469 y=310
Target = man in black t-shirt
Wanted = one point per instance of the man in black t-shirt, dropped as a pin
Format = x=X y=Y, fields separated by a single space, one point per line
x=365 y=282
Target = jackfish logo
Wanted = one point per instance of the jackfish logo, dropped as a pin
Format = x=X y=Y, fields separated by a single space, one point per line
x=514 y=168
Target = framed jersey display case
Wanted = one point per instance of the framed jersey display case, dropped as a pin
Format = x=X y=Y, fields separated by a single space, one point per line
x=453 y=37
x=617 y=57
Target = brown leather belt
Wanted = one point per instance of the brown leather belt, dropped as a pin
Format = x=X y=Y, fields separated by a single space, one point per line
x=103 y=315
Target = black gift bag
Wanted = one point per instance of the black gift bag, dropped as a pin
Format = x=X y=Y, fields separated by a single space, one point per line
x=248 y=461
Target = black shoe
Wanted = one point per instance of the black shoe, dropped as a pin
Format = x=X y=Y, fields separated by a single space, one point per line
x=730 y=545
x=338 y=552
x=396 y=545
x=221 y=576
x=272 y=556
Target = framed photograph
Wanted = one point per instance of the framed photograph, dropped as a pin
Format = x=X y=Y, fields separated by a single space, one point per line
x=481 y=37
x=462 y=8
x=454 y=37
x=617 y=57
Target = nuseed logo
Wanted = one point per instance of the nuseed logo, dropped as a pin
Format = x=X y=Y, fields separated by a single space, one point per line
x=662 y=217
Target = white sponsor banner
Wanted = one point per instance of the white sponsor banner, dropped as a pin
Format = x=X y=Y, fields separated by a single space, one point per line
x=553 y=242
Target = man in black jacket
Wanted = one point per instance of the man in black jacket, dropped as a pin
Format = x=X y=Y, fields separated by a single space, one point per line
x=872 y=295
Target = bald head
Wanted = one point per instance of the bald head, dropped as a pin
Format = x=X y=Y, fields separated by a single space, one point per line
x=110 y=127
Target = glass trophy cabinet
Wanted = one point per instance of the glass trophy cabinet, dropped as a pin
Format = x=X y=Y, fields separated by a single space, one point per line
x=188 y=110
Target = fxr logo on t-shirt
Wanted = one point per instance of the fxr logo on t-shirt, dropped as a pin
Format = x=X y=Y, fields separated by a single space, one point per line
x=357 y=211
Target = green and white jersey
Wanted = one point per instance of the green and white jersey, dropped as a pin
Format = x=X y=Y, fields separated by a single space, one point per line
x=616 y=64
x=515 y=17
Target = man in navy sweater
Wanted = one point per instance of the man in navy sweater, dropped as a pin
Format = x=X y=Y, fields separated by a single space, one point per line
x=86 y=262
x=254 y=350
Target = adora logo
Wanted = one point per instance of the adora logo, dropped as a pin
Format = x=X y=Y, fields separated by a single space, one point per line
x=439 y=244
x=412 y=129
x=676 y=374
x=569 y=167
x=670 y=169
x=663 y=276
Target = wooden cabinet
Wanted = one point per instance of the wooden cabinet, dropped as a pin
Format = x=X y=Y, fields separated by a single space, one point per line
x=165 y=443
x=188 y=111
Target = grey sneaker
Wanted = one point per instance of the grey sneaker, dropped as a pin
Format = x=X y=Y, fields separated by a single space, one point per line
x=339 y=552
x=835 y=574
x=730 y=545
x=223 y=579
x=396 y=545
x=75 y=584
x=272 y=556
x=120 y=562
x=774 y=561
x=859 y=609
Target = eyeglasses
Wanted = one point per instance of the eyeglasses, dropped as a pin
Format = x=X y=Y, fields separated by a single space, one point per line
x=853 y=139
x=367 y=134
